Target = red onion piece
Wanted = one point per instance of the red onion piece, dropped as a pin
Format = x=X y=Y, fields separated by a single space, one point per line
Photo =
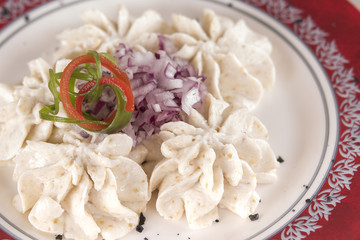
x=163 y=87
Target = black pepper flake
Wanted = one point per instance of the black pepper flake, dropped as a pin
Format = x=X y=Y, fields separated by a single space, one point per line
x=298 y=21
x=280 y=159
x=217 y=220
x=139 y=228
x=26 y=18
x=306 y=186
x=254 y=217
x=145 y=238
x=5 y=11
x=308 y=201
x=59 y=237
x=259 y=200
x=142 y=219
x=293 y=210
x=178 y=234
x=328 y=199
x=230 y=5
x=356 y=80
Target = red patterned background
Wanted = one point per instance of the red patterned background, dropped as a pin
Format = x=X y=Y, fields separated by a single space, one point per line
x=341 y=21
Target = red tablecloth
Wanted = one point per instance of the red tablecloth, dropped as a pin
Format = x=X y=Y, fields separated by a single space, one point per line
x=341 y=21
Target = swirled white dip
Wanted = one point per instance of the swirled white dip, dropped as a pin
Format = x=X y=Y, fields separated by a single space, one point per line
x=90 y=185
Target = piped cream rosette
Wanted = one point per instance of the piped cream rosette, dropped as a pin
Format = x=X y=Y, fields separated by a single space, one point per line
x=69 y=182
x=235 y=59
x=81 y=190
x=210 y=162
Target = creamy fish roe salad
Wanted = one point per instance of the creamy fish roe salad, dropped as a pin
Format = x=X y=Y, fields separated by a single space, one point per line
x=137 y=106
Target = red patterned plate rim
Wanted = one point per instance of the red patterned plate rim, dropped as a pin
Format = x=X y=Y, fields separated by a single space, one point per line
x=341 y=76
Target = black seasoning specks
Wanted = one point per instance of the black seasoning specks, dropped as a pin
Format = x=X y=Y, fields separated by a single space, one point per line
x=329 y=199
x=356 y=80
x=308 y=201
x=280 y=159
x=59 y=237
x=254 y=217
x=5 y=13
x=142 y=219
x=139 y=228
x=298 y=21
x=217 y=220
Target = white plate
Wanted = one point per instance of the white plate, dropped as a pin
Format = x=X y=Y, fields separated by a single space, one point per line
x=300 y=113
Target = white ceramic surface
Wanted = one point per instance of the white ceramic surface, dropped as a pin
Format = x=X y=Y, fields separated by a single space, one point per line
x=300 y=113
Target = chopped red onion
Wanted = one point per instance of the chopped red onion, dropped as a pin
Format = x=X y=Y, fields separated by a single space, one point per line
x=156 y=107
x=170 y=71
x=84 y=134
x=103 y=107
x=166 y=44
x=163 y=87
